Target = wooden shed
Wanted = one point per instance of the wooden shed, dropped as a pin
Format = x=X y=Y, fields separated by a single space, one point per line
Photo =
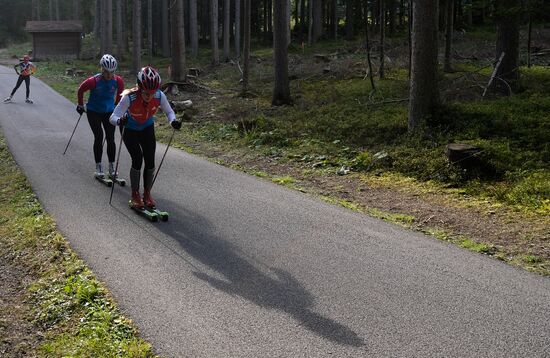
x=55 y=39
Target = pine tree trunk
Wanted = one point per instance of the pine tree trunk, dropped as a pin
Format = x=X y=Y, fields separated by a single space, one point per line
x=334 y=19
x=246 y=51
x=165 y=33
x=317 y=19
x=136 y=36
x=349 y=20
x=57 y=18
x=119 y=38
x=193 y=28
x=449 y=26
x=226 y=27
x=108 y=13
x=214 y=33
x=178 y=73
x=76 y=9
x=281 y=91
x=310 y=23
x=424 y=93
x=50 y=5
x=238 y=28
x=508 y=16
x=150 y=31
x=382 y=8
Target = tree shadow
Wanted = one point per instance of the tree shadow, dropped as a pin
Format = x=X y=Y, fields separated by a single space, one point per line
x=242 y=276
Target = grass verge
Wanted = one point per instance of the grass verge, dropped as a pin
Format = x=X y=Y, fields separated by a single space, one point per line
x=63 y=299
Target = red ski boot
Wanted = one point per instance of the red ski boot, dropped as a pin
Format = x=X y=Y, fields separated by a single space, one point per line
x=148 y=199
x=136 y=201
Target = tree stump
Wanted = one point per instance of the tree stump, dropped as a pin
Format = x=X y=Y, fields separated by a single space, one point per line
x=466 y=157
x=458 y=152
x=194 y=72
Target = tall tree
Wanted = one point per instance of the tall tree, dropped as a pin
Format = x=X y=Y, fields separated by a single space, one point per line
x=136 y=36
x=214 y=32
x=76 y=9
x=194 y=28
x=226 y=26
x=367 y=44
x=119 y=33
x=317 y=19
x=449 y=26
x=50 y=7
x=349 y=19
x=35 y=10
x=108 y=14
x=238 y=28
x=165 y=36
x=334 y=19
x=97 y=19
x=246 y=45
x=381 y=71
x=57 y=18
x=424 y=92
x=150 y=31
x=178 y=73
x=507 y=15
x=281 y=91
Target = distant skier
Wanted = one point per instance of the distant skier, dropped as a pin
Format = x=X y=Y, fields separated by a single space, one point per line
x=105 y=90
x=24 y=69
x=136 y=112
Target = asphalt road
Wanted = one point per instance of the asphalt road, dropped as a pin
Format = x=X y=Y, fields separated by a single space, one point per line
x=246 y=268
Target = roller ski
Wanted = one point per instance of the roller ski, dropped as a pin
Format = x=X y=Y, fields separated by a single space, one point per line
x=100 y=176
x=113 y=175
x=137 y=205
x=115 y=179
x=103 y=179
x=29 y=101
x=151 y=206
x=7 y=100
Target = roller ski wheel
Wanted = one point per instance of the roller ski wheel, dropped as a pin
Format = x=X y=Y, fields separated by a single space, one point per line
x=104 y=180
x=116 y=179
x=163 y=215
x=149 y=215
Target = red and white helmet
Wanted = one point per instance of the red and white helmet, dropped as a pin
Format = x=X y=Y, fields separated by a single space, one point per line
x=108 y=63
x=148 y=79
x=26 y=58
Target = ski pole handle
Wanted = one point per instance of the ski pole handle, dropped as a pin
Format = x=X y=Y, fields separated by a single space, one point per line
x=65 y=151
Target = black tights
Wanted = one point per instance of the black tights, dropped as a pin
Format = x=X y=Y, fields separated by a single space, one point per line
x=20 y=80
x=141 y=145
x=96 y=120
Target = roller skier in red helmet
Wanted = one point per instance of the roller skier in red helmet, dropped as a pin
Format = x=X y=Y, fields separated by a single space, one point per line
x=135 y=112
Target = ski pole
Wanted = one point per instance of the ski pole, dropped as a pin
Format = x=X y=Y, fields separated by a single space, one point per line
x=117 y=160
x=162 y=160
x=72 y=134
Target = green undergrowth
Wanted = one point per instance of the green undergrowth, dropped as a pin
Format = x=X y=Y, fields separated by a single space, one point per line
x=335 y=123
x=66 y=301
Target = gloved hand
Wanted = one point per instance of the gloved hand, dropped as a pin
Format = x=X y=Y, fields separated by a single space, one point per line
x=123 y=120
x=80 y=109
x=176 y=124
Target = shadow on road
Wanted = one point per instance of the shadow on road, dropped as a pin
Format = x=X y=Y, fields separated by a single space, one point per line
x=267 y=287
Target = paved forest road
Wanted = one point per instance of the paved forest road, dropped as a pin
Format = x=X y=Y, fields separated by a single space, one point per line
x=246 y=268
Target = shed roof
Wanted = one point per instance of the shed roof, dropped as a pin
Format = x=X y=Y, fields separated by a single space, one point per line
x=54 y=26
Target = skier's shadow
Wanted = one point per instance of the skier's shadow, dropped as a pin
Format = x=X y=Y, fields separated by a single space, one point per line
x=267 y=287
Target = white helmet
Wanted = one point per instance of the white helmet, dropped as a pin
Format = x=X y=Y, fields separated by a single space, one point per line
x=108 y=62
